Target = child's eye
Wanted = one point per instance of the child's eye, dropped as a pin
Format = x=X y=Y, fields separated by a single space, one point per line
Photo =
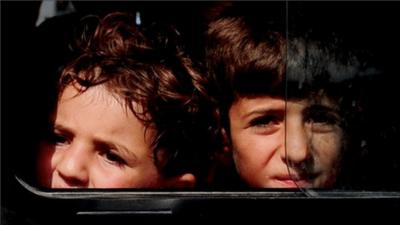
x=322 y=120
x=263 y=121
x=113 y=158
x=57 y=139
x=323 y=117
x=265 y=124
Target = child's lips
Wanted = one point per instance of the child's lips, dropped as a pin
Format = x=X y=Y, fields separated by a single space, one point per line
x=292 y=182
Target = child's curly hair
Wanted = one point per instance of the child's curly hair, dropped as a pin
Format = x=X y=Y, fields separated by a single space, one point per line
x=147 y=66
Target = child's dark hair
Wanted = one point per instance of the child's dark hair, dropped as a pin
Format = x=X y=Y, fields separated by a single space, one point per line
x=147 y=66
x=243 y=60
x=246 y=59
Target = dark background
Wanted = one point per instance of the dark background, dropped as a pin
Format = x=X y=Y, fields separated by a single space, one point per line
x=30 y=57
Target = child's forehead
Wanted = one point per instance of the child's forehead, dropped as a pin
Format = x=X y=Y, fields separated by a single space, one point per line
x=92 y=95
x=95 y=96
x=317 y=97
x=98 y=94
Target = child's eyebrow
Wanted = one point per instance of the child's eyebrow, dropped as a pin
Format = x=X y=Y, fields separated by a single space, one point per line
x=320 y=107
x=119 y=147
x=264 y=111
x=64 y=129
x=100 y=142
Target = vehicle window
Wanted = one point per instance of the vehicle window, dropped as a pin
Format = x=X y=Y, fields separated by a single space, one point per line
x=340 y=76
x=119 y=110
x=223 y=96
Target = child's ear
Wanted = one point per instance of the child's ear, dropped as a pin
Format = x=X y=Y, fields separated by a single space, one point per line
x=186 y=180
x=226 y=141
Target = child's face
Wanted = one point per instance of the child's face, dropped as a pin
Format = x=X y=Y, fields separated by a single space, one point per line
x=263 y=127
x=96 y=143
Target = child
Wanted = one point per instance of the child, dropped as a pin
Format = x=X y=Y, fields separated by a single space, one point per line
x=281 y=102
x=131 y=113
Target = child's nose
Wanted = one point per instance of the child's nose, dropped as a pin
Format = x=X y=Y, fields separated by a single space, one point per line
x=73 y=167
x=297 y=143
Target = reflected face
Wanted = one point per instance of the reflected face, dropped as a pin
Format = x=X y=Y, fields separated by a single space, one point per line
x=96 y=142
x=278 y=144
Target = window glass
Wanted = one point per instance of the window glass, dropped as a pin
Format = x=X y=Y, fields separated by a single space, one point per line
x=342 y=125
x=259 y=96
